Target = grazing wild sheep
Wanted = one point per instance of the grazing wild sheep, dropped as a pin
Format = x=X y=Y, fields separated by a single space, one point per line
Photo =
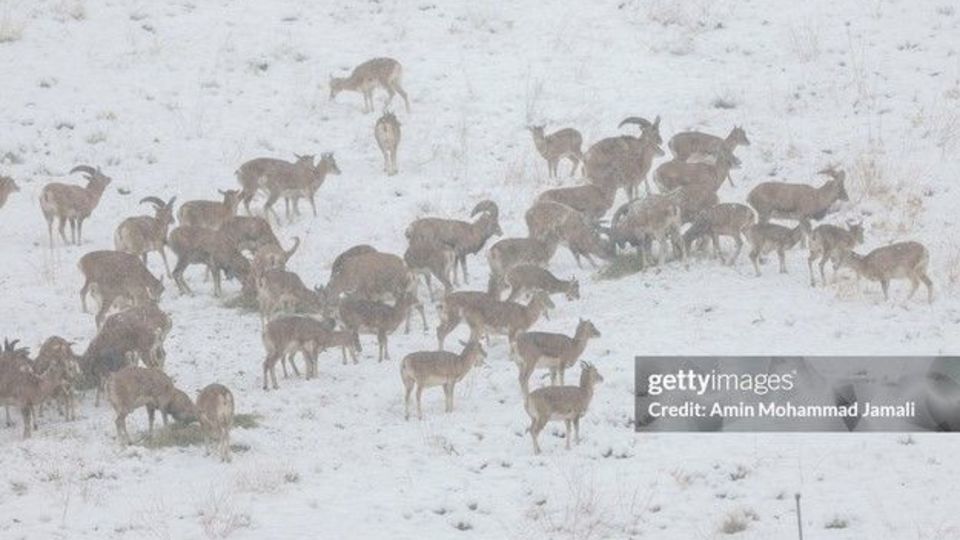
x=903 y=260
x=215 y=408
x=111 y=275
x=385 y=73
x=133 y=387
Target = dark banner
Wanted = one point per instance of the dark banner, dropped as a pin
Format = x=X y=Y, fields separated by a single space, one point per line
x=797 y=393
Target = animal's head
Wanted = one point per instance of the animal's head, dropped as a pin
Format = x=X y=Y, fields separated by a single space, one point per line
x=589 y=374
x=836 y=182
x=231 y=199
x=472 y=349
x=537 y=131
x=304 y=160
x=649 y=131
x=162 y=211
x=491 y=214
x=11 y=350
x=336 y=86
x=389 y=118
x=739 y=136
x=93 y=175
x=587 y=329
x=328 y=163
x=7 y=186
x=181 y=408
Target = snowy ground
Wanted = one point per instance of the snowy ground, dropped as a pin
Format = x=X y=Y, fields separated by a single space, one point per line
x=170 y=97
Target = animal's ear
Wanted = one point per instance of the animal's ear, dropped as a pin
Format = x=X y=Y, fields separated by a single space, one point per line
x=222 y=192
x=656 y=122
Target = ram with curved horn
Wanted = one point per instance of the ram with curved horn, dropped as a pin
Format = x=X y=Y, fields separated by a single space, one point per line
x=624 y=161
x=139 y=235
x=651 y=129
x=71 y=203
x=464 y=238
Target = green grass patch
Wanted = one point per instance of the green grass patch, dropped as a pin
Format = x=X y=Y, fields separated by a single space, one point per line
x=247 y=420
x=180 y=435
x=174 y=434
x=243 y=302
x=624 y=264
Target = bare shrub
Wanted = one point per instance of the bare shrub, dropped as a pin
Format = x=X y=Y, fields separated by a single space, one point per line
x=738 y=521
x=836 y=523
x=11 y=28
x=219 y=516
x=588 y=510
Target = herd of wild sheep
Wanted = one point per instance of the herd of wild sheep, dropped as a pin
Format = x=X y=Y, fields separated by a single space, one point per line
x=373 y=292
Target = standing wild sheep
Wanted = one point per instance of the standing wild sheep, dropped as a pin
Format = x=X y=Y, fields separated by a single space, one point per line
x=210 y=214
x=767 y=237
x=547 y=350
x=685 y=144
x=567 y=403
x=829 y=242
x=139 y=235
x=465 y=238
x=215 y=408
x=71 y=203
x=387 y=133
x=564 y=143
x=437 y=368
x=780 y=200
x=724 y=219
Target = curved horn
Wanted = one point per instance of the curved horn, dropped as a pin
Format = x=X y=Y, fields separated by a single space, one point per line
x=85 y=169
x=642 y=122
x=156 y=201
x=293 y=249
x=486 y=206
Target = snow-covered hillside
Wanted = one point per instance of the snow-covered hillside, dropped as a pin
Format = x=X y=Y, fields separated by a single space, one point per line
x=169 y=98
